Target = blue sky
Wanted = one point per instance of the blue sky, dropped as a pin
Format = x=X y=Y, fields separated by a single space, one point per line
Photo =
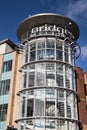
x=12 y=12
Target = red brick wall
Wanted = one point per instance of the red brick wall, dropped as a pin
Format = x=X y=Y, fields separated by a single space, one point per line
x=82 y=111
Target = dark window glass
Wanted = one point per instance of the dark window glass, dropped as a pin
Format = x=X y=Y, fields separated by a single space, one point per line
x=59 y=55
x=41 y=44
x=60 y=109
x=41 y=54
x=50 y=44
x=26 y=53
x=4 y=87
x=59 y=80
x=32 y=46
x=58 y=45
x=29 y=108
x=23 y=108
x=7 y=66
x=50 y=54
x=32 y=55
x=25 y=80
x=31 y=79
x=3 y=112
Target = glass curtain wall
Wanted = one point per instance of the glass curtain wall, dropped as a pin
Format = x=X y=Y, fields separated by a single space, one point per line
x=48 y=97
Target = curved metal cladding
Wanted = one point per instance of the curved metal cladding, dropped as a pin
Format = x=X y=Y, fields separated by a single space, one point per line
x=48 y=97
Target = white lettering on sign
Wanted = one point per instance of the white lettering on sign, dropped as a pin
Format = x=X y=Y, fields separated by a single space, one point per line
x=52 y=28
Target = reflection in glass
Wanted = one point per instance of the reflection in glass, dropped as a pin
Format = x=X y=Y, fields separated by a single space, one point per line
x=29 y=107
x=32 y=55
x=59 y=55
x=59 y=80
x=41 y=54
x=49 y=54
x=50 y=124
x=31 y=79
x=50 y=108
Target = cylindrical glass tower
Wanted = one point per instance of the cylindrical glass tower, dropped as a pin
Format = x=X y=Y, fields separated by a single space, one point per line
x=48 y=98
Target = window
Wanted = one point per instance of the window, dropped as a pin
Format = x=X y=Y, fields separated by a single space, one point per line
x=41 y=54
x=23 y=108
x=25 y=80
x=60 y=109
x=7 y=66
x=4 y=87
x=29 y=108
x=26 y=54
x=50 y=53
x=40 y=78
x=3 y=112
x=31 y=79
x=59 y=80
x=59 y=55
x=50 y=108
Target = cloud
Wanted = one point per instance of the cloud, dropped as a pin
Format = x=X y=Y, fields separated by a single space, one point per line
x=84 y=52
x=78 y=8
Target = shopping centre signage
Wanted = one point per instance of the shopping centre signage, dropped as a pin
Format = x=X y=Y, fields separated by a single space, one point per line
x=51 y=28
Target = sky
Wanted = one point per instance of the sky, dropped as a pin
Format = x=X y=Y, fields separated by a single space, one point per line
x=12 y=12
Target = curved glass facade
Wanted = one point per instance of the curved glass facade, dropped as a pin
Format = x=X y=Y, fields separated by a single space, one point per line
x=48 y=97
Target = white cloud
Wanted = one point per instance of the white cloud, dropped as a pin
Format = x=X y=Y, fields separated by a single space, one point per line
x=78 y=8
x=84 y=52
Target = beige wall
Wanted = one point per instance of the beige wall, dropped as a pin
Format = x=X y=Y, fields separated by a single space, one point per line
x=5 y=48
x=84 y=127
x=14 y=87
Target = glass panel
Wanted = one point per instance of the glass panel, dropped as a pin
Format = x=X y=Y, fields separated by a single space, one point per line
x=7 y=66
x=4 y=87
x=59 y=55
x=50 y=43
x=26 y=53
x=59 y=80
x=41 y=44
x=50 y=66
x=58 y=45
x=40 y=79
x=50 y=78
x=50 y=93
x=29 y=107
x=39 y=124
x=23 y=108
x=32 y=46
x=69 y=103
x=50 y=108
x=3 y=112
x=66 y=56
x=60 y=94
x=61 y=125
x=59 y=67
x=25 y=80
x=32 y=67
x=49 y=54
x=32 y=55
x=67 y=77
x=39 y=107
x=50 y=74
x=50 y=124
x=29 y=124
x=60 y=109
x=31 y=79
x=30 y=94
x=39 y=102
x=41 y=54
